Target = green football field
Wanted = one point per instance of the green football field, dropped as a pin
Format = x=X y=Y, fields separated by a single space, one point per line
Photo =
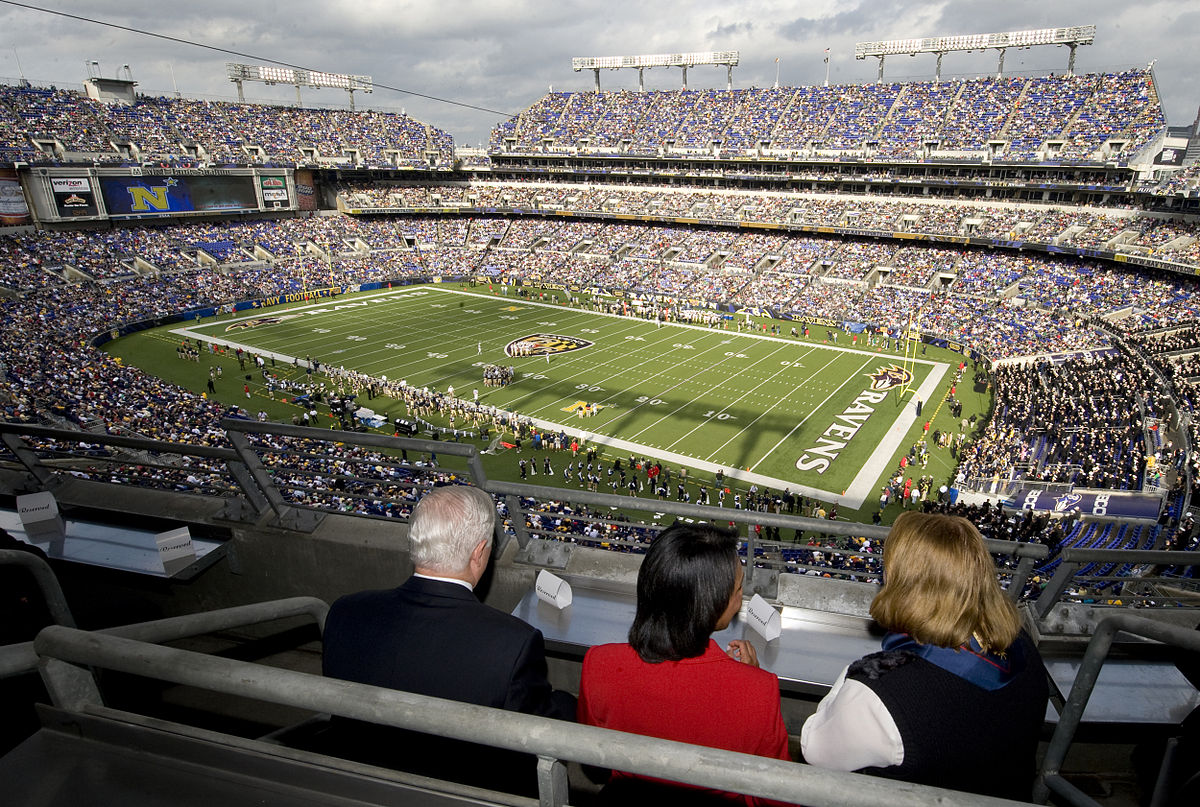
x=777 y=411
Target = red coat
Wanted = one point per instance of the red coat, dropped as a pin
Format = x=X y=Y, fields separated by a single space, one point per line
x=709 y=700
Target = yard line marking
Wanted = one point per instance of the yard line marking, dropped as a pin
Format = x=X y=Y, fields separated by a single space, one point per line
x=710 y=389
x=816 y=409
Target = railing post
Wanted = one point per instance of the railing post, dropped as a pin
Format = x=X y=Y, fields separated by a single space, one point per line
x=245 y=481
x=751 y=544
x=1049 y=777
x=29 y=459
x=52 y=593
x=516 y=514
x=71 y=686
x=552 y=782
x=288 y=516
x=1054 y=589
x=1019 y=578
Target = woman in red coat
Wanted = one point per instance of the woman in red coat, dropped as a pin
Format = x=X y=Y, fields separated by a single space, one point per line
x=672 y=680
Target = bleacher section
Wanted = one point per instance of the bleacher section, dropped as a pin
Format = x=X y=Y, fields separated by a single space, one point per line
x=1163 y=240
x=51 y=126
x=1109 y=116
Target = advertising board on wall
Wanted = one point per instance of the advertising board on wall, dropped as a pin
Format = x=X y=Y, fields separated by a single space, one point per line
x=305 y=192
x=14 y=210
x=74 y=197
x=274 y=191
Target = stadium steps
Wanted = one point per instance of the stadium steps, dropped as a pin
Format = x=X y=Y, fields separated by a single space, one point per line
x=1069 y=127
x=951 y=109
x=783 y=114
x=877 y=134
x=1003 y=134
x=1193 y=150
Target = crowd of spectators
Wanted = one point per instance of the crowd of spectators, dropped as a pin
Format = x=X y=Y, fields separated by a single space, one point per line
x=1082 y=421
x=1003 y=303
x=212 y=132
x=1174 y=240
x=1060 y=117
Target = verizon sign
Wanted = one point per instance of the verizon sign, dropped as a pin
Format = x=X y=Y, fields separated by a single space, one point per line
x=71 y=185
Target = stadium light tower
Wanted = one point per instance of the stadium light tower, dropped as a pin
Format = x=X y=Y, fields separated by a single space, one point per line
x=268 y=74
x=1072 y=37
x=729 y=58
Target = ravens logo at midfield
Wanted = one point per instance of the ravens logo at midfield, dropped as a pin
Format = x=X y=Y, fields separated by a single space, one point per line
x=544 y=344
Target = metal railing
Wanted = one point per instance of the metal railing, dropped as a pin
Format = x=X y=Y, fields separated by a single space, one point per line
x=21 y=658
x=67 y=654
x=1051 y=780
x=1072 y=560
x=1009 y=487
x=52 y=593
x=263 y=455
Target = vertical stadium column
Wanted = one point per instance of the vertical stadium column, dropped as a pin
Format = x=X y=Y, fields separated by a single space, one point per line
x=751 y=546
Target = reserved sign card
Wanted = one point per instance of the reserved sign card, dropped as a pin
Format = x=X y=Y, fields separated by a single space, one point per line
x=553 y=589
x=764 y=619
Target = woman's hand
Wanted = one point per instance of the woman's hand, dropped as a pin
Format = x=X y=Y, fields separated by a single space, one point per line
x=743 y=651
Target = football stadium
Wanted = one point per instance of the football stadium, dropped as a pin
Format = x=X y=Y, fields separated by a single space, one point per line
x=797 y=325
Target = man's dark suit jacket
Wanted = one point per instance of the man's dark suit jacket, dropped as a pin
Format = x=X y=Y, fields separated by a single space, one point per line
x=436 y=638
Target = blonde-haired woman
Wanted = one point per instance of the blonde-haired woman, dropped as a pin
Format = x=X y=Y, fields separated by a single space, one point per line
x=957 y=697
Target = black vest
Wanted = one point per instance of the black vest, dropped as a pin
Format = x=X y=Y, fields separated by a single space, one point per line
x=957 y=735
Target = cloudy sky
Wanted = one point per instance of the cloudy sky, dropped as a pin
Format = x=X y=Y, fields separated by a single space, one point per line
x=502 y=55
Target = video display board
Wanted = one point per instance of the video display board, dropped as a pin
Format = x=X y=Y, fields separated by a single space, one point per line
x=140 y=196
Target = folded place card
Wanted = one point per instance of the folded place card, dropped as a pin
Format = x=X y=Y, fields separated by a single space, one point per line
x=175 y=549
x=40 y=517
x=764 y=619
x=553 y=589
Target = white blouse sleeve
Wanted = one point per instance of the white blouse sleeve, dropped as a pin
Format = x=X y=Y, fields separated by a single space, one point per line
x=850 y=730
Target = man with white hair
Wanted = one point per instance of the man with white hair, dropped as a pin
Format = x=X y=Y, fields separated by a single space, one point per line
x=433 y=636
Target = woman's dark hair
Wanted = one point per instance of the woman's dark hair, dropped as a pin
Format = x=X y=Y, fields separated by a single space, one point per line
x=683 y=587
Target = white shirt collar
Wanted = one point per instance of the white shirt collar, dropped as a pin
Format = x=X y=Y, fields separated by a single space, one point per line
x=462 y=583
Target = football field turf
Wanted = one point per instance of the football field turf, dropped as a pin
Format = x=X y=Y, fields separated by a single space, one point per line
x=774 y=410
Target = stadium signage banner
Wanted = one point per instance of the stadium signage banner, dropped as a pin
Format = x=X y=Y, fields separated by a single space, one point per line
x=73 y=197
x=14 y=210
x=274 y=189
x=167 y=170
x=825 y=322
x=133 y=196
x=71 y=184
x=847 y=425
x=1171 y=155
x=1112 y=504
x=298 y=296
x=305 y=194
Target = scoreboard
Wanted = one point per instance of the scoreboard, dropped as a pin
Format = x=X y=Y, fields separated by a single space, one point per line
x=63 y=194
